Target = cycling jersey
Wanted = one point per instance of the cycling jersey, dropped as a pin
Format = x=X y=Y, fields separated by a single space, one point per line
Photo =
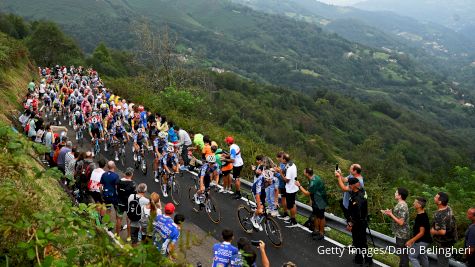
x=140 y=139
x=224 y=255
x=79 y=119
x=258 y=187
x=206 y=171
x=160 y=145
x=143 y=119
x=169 y=161
x=118 y=132
x=166 y=232
x=95 y=128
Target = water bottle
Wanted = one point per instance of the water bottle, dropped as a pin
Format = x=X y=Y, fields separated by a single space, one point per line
x=140 y=235
x=259 y=220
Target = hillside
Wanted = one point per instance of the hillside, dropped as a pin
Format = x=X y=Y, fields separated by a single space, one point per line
x=456 y=14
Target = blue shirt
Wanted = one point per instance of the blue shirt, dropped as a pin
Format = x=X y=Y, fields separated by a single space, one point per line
x=172 y=137
x=143 y=119
x=258 y=185
x=224 y=255
x=166 y=233
x=207 y=169
x=281 y=180
x=109 y=180
x=169 y=160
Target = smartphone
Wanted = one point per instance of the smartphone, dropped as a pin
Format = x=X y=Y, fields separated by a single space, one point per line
x=255 y=243
x=337 y=168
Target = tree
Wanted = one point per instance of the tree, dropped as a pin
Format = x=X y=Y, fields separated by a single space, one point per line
x=48 y=45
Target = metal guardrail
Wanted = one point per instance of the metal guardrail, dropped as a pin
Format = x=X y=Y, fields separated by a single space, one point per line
x=337 y=223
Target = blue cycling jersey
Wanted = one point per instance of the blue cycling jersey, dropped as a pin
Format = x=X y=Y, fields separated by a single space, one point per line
x=169 y=160
x=224 y=255
x=118 y=132
x=166 y=232
x=259 y=185
x=207 y=169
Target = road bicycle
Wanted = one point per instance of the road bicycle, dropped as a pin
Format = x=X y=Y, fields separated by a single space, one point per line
x=141 y=162
x=244 y=214
x=206 y=202
x=119 y=150
x=173 y=186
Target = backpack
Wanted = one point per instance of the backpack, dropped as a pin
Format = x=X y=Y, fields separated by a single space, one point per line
x=134 y=211
x=124 y=190
x=85 y=172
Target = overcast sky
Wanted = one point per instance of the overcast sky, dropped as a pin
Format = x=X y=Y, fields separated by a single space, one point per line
x=341 y=2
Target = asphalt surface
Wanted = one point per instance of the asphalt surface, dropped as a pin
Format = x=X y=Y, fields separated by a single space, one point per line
x=298 y=246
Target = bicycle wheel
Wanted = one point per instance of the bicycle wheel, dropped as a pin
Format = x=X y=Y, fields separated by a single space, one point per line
x=244 y=215
x=191 y=196
x=175 y=191
x=272 y=230
x=136 y=163
x=212 y=210
x=143 y=166
x=122 y=156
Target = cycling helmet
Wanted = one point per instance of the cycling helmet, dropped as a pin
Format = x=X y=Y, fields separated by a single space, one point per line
x=162 y=135
x=211 y=158
x=77 y=113
x=94 y=114
x=170 y=149
x=118 y=124
x=141 y=108
x=94 y=120
x=140 y=130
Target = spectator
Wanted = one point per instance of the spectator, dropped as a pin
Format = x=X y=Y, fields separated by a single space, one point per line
x=70 y=161
x=198 y=141
x=62 y=154
x=40 y=134
x=149 y=213
x=206 y=148
x=184 y=141
x=318 y=196
x=48 y=141
x=172 y=136
x=421 y=235
x=235 y=158
x=32 y=127
x=166 y=231
x=125 y=187
x=282 y=185
x=355 y=171
x=224 y=254
x=247 y=255
x=400 y=224
x=134 y=211
x=94 y=185
x=291 y=189
x=469 y=243
x=443 y=230
x=84 y=168
x=109 y=182
x=358 y=220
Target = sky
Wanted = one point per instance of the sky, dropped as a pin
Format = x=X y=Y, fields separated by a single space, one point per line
x=341 y=2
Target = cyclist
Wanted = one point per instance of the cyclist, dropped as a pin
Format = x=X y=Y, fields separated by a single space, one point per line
x=208 y=171
x=169 y=163
x=78 y=122
x=95 y=129
x=159 y=146
x=140 y=139
x=261 y=181
x=47 y=104
x=119 y=134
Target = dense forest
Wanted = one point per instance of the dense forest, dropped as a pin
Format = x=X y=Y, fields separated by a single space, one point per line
x=402 y=123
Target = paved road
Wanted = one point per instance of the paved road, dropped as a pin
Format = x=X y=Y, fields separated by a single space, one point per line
x=298 y=246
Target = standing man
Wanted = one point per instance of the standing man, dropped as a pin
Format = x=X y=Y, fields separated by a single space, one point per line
x=470 y=239
x=443 y=230
x=184 y=141
x=224 y=254
x=166 y=231
x=291 y=189
x=62 y=154
x=281 y=185
x=421 y=235
x=318 y=196
x=355 y=171
x=136 y=203
x=400 y=224
x=125 y=187
x=357 y=220
x=109 y=182
x=236 y=159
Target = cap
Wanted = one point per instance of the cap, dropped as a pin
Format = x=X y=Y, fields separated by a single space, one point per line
x=229 y=140
x=353 y=180
x=129 y=171
x=169 y=208
x=213 y=143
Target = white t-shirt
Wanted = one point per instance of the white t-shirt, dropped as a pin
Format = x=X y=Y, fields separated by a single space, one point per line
x=235 y=152
x=96 y=179
x=291 y=174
